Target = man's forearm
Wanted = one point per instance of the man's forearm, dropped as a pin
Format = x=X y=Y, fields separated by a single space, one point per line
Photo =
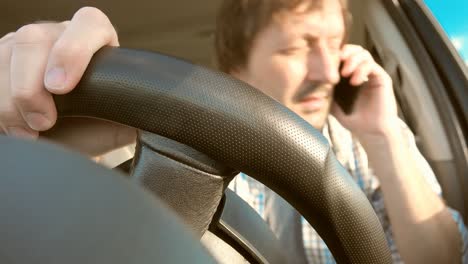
x=423 y=228
x=91 y=137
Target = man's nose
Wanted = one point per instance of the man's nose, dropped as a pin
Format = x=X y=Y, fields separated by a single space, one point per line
x=323 y=65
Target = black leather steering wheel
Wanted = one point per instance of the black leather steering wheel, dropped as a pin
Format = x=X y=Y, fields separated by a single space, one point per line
x=237 y=125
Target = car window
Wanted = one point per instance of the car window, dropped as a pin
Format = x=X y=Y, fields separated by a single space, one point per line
x=451 y=15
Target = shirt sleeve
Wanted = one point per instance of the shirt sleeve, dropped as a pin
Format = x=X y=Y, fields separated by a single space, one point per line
x=463 y=233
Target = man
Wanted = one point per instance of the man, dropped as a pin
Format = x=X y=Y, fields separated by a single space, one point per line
x=290 y=50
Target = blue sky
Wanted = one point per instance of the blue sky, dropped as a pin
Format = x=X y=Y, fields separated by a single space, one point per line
x=452 y=14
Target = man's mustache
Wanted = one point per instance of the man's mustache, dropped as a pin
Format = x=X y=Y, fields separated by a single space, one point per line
x=312 y=87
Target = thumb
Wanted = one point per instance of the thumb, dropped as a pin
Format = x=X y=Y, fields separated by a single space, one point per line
x=88 y=31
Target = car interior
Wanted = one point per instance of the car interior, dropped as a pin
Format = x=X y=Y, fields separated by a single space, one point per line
x=205 y=209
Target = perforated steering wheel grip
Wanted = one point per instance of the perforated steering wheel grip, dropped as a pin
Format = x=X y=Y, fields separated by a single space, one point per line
x=238 y=125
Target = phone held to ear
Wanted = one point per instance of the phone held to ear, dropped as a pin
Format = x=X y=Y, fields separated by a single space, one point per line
x=345 y=94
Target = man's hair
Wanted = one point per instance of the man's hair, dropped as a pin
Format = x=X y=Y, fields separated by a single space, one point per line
x=239 y=22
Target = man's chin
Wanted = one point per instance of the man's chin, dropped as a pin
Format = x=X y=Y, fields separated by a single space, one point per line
x=316 y=119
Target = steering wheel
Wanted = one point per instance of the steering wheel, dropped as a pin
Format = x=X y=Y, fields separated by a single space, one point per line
x=235 y=124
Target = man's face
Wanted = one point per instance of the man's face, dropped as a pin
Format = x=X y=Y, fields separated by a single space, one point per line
x=295 y=60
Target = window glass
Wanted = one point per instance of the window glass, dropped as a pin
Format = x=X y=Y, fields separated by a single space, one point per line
x=452 y=16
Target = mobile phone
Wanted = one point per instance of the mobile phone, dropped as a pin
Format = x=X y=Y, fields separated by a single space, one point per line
x=345 y=94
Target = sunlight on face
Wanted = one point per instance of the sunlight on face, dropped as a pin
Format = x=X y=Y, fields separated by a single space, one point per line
x=295 y=60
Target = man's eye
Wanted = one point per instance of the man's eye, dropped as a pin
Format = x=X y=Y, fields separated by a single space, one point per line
x=294 y=50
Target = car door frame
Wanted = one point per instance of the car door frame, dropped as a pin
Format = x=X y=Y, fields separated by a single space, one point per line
x=447 y=79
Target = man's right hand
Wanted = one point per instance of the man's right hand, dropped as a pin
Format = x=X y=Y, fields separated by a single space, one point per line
x=45 y=58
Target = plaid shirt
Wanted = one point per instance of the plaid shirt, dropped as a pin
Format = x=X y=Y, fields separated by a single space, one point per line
x=352 y=156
